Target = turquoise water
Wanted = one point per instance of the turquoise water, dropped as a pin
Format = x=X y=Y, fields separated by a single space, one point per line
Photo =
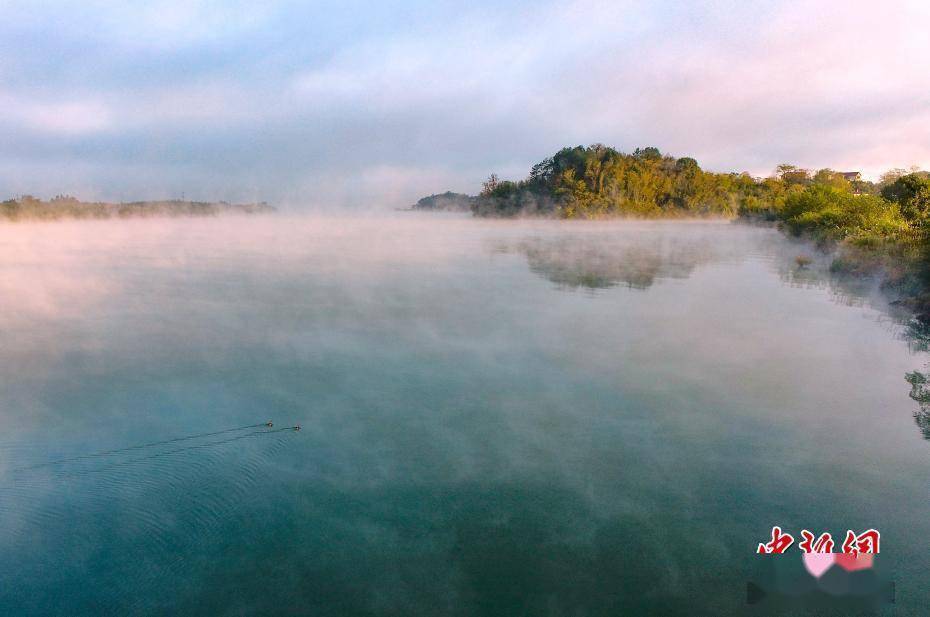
x=519 y=418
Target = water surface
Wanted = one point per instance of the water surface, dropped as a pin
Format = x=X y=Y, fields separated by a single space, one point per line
x=498 y=418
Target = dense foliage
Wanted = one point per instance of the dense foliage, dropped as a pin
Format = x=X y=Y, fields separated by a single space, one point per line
x=27 y=208
x=598 y=181
x=912 y=194
x=832 y=214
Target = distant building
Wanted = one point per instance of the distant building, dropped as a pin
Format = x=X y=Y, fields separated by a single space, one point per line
x=855 y=177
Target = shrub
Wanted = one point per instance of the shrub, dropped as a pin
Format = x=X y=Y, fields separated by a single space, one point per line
x=831 y=214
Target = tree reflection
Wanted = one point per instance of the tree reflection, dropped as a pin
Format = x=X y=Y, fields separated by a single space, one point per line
x=920 y=392
x=861 y=288
x=601 y=262
x=598 y=261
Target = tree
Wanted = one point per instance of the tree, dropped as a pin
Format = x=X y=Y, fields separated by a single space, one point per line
x=784 y=169
x=791 y=174
x=542 y=171
x=647 y=153
x=490 y=185
x=891 y=175
x=904 y=188
x=687 y=164
x=918 y=210
x=911 y=193
x=828 y=177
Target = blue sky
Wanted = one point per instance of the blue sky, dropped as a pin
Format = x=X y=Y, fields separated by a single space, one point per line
x=377 y=103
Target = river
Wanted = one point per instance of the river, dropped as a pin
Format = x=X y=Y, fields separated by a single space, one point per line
x=496 y=418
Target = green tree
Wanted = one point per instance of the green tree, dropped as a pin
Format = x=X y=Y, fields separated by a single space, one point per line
x=828 y=177
x=911 y=192
x=791 y=174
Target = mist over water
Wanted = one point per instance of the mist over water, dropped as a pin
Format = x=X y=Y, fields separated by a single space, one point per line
x=521 y=417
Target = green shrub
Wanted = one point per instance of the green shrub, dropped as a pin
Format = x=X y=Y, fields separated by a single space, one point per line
x=831 y=214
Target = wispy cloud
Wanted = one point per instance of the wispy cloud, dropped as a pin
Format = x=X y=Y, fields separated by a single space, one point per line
x=65 y=118
x=283 y=99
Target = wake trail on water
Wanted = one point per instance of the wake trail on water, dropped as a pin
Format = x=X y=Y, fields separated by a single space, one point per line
x=153 y=503
x=105 y=453
x=159 y=455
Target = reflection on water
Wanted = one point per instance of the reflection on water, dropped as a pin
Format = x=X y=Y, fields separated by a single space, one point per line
x=638 y=257
x=606 y=260
x=476 y=438
x=920 y=392
x=597 y=261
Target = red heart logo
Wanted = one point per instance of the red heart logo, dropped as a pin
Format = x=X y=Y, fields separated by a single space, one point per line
x=851 y=562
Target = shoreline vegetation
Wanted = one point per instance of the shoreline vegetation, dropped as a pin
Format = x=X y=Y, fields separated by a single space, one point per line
x=872 y=228
x=446 y=202
x=29 y=208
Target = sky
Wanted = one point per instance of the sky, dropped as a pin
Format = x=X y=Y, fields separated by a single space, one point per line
x=374 y=104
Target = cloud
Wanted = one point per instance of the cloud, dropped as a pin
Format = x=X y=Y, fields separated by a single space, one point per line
x=157 y=25
x=204 y=98
x=793 y=83
x=67 y=118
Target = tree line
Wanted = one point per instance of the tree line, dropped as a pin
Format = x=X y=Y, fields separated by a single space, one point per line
x=599 y=182
x=29 y=208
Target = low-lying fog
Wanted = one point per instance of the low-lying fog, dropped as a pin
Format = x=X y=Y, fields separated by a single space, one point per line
x=497 y=417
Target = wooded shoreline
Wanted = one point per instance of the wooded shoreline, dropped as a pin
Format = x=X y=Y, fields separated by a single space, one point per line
x=29 y=208
x=874 y=228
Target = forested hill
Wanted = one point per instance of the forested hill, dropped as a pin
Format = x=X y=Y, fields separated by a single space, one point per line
x=447 y=202
x=599 y=181
x=28 y=208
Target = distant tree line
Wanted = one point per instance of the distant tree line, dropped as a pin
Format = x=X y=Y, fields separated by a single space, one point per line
x=448 y=201
x=600 y=182
x=29 y=208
